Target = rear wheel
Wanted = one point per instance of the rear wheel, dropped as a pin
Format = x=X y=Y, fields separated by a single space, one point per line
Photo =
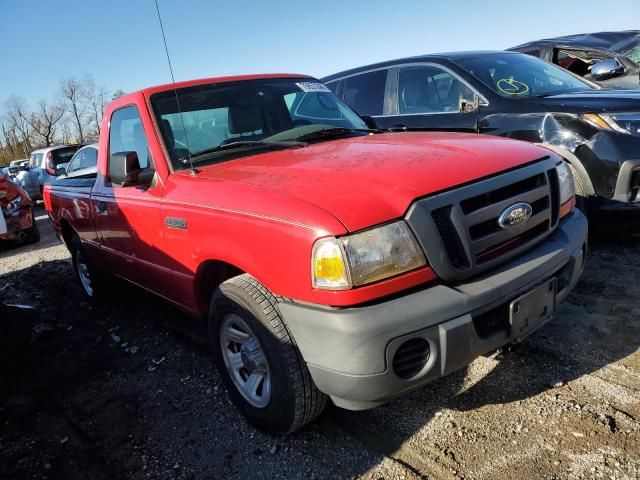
x=258 y=359
x=89 y=279
x=32 y=234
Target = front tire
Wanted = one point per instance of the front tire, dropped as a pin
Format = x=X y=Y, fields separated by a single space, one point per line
x=581 y=190
x=258 y=359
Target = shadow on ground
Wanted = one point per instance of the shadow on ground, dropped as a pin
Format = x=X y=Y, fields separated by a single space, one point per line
x=128 y=390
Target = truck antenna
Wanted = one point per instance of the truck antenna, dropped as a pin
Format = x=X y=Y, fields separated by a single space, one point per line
x=175 y=91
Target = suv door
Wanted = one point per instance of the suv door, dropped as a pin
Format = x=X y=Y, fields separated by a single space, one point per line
x=429 y=96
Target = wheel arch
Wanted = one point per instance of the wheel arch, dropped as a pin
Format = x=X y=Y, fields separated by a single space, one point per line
x=209 y=275
x=576 y=163
x=67 y=232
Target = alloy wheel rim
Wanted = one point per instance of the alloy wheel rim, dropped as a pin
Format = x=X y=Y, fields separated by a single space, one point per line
x=245 y=360
x=84 y=274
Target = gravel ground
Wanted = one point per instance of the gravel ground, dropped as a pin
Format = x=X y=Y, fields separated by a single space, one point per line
x=128 y=390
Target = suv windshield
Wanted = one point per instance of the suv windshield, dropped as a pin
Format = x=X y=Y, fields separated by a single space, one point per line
x=515 y=75
x=248 y=117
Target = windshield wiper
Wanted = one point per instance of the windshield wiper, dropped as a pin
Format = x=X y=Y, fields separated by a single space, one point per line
x=334 y=132
x=248 y=143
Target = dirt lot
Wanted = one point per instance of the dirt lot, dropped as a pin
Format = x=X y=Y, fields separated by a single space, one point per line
x=127 y=390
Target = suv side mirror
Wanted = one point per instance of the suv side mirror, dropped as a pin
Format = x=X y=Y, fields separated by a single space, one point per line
x=605 y=69
x=124 y=169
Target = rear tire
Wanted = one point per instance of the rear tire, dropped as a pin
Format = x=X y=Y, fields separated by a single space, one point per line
x=91 y=281
x=249 y=338
x=32 y=234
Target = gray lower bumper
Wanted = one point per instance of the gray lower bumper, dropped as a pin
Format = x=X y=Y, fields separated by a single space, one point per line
x=349 y=351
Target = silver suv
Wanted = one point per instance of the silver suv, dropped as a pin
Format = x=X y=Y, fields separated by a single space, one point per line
x=44 y=162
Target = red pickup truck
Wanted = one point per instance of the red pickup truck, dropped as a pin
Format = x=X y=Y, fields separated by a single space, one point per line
x=329 y=260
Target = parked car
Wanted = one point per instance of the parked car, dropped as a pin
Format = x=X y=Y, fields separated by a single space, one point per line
x=17 y=222
x=517 y=96
x=329 y=260
x=19 y=163
x=611 y=59
x=84 y=162
x=44 y=162
x=14 y=167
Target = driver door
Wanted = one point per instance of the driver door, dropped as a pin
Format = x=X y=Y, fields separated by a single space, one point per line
x=428 y=96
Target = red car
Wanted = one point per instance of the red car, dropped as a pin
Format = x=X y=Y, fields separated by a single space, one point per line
x=17 y=222
x=330 y=261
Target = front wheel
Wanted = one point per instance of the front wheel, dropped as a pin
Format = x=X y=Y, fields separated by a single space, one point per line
x=258 y=359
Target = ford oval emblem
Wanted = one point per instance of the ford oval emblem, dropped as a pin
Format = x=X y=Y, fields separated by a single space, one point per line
x=515 y=215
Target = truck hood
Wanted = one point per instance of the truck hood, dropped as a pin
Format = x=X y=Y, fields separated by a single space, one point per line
x=367 y=180
x=594 y=101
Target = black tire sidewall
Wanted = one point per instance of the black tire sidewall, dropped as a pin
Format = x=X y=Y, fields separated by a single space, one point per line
x=278 y=416
x=76 y=247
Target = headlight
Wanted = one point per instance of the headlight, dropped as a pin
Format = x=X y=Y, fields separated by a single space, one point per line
x=567 y=187
x=616 y=122
x=365 y=257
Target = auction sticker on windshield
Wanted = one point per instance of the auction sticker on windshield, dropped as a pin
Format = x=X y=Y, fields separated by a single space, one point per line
x=312 y=87
x=3 y=224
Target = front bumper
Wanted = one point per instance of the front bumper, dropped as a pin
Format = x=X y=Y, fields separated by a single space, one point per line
x=350 y=351
x=626 y=196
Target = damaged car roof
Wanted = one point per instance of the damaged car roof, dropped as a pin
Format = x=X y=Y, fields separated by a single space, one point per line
x=616 y=42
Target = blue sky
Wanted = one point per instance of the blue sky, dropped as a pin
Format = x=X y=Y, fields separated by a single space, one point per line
x=119 y=41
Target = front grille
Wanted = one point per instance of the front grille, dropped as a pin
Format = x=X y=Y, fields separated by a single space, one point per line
x=460 y=231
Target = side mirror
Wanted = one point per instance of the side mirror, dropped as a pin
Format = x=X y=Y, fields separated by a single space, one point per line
x=605 y=69
x=124 y=169
x=61 y=169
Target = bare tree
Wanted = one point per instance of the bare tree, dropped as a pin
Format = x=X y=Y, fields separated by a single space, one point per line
x=72 y=94
x=117 y=94
x=96 y=99
x=44 y=121
x=9 y=149
x=18 y=120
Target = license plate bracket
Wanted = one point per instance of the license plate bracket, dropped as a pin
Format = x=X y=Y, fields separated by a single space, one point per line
x=531 y=310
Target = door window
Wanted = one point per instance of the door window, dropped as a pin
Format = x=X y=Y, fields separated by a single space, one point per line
x=430 y=89
x=76 y=161
x=127 y=135
x=90 y=158
x=365 y=93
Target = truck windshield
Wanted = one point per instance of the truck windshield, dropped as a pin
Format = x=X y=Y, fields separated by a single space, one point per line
x=515 y=75
x=250 y=116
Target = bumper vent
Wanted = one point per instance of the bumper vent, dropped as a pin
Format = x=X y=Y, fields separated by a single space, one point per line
x=411 y=358
x=460 y=231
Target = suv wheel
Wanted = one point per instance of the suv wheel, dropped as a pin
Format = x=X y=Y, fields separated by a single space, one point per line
x=581 y=195
x=258 y=359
